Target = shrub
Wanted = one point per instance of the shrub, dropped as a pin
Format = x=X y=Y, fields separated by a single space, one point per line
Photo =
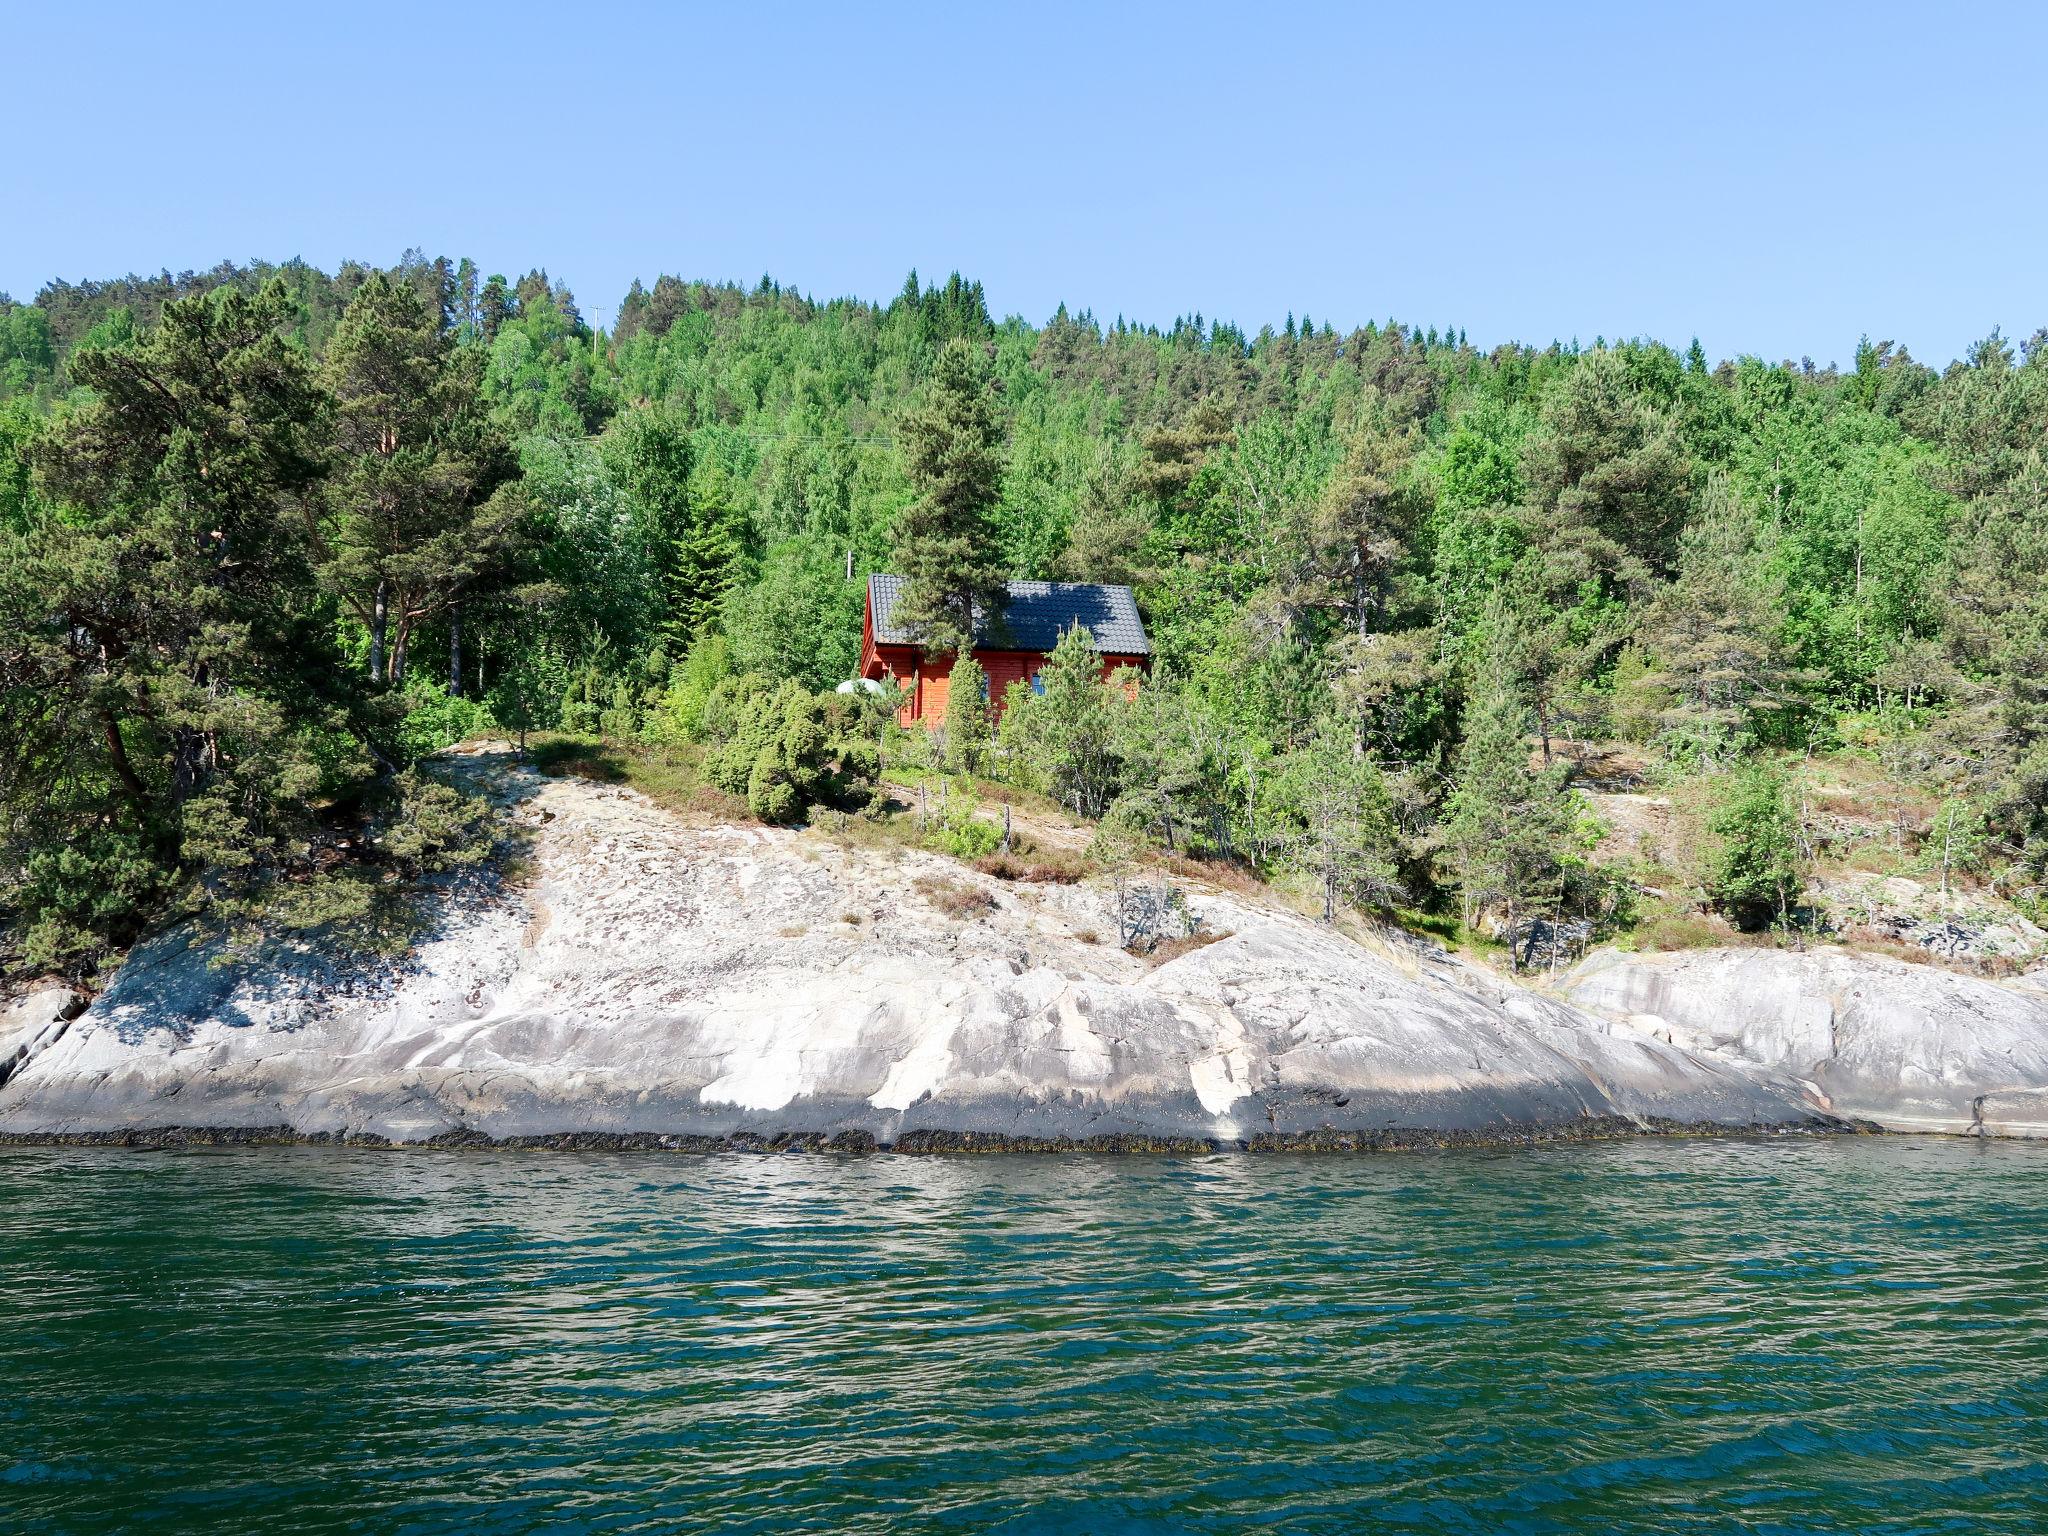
x=583 y=702
x=956 y=827
x=435 y=718
x=690 y=686
x=434 y=828
x=967 y=717
x=1754 y=873
x=370 y=903
x=783 y=748
x=86 y=898
x=620 y=720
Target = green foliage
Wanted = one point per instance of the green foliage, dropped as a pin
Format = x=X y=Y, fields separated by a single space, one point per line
x=419 y=512
x=583 y=701
x=684 y=515
x=968 y=741
x=421 y=829
x=1063 y=735
x=27 y=357
x=1715 y=629
x=954 y=823
x=690 y=687
x=1639 y=703
x=435 y=718
x=800 y=620
x=1507 y=829
x=1756 y=868
x=784 y=749
x=1955 y=842
x=1379 y=553
x=1340 y=818
x=83 y=900
x=433 y=828
x=945 y=541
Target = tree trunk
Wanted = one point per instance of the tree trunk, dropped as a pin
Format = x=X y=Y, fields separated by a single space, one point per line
x=379 y=618
x=188 y=750
x=124 y=770
x=455 y=651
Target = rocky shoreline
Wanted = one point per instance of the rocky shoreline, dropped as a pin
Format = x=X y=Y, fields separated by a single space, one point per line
x=930 y=1143
x=660 y=986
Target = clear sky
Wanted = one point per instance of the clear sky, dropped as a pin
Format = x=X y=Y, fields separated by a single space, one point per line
x=1774 y=178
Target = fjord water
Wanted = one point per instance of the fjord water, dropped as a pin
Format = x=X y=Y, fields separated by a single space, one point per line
x=1779 y=1336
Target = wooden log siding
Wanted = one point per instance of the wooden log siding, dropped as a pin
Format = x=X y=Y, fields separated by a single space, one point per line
x=1037 y=608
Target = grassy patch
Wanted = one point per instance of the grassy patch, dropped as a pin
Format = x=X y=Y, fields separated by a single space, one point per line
x=1444 y=927
x=1683 y=930
x=958 y=899
x=1173 y=949
x=992 y=791
x=1053 y=866
x=1229 y=874
x=671 y=777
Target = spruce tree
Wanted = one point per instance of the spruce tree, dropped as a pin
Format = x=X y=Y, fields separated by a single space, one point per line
x=1507 y=827
x=967 y=716
x=946 y=541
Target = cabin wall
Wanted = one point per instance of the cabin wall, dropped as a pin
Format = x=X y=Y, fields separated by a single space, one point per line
x=927 y=684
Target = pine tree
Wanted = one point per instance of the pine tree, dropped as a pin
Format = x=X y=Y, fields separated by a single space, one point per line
x=1345 y=836
x=1361 y=525
x=164 y=673
x=1166 y=764
x=495 y=307
x=468 y=302
x=419 y=508
x=1715 y=631
x=946 y=541
x=1610 y=479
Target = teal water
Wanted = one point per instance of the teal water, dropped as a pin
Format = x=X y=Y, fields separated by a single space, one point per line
x=1796 y=1336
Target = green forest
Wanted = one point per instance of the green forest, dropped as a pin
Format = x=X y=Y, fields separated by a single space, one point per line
x=269 y=537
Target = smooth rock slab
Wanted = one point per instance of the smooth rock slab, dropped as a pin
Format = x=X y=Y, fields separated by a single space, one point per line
x=665 y=981
x=1909 y=1047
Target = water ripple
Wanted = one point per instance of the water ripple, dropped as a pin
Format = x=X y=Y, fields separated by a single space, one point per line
x=1655 y=1337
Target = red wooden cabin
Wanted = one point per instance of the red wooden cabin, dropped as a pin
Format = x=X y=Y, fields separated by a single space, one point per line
x=1033 y=619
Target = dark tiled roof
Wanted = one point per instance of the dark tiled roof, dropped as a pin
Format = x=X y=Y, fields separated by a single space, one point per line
x=1035 y=617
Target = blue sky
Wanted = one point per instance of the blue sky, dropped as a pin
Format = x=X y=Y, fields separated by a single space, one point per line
x=1776 y=179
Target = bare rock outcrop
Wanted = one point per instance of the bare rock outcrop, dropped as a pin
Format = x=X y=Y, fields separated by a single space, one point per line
x=32 y=1023
x=656 y=980
x=1910 y=1047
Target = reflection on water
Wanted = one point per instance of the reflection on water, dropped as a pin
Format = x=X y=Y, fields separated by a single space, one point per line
x=1683 y=1337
